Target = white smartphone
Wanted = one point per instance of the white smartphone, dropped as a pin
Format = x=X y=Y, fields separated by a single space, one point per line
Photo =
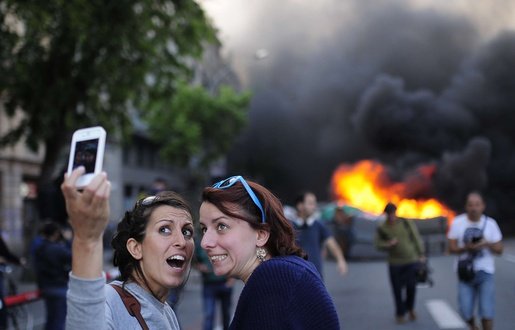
x=87 y=149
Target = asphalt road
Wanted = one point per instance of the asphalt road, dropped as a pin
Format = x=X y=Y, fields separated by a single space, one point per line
x=364 y=301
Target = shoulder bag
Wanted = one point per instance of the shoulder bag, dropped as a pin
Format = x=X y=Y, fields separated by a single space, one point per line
x=132 y=304
x=422 y=267
x=466 y=272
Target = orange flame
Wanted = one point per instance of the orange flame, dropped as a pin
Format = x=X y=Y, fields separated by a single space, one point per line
x=366 y=185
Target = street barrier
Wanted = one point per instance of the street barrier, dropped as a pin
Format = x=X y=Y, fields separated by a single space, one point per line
x=22 y=298
x=432 y=231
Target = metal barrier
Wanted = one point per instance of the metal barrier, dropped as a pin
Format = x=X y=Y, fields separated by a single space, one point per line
x=432 y=231
x=18 y=313
x=22 y=298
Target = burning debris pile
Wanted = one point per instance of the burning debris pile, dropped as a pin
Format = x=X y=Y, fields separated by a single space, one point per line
x=366 y=185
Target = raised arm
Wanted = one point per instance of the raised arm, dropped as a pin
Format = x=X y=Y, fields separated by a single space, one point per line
x=88 y=213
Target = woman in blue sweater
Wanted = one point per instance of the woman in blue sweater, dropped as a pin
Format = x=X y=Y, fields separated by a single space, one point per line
x=247 y=236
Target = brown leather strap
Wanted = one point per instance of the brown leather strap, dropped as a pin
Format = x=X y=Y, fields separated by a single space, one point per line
x=132 y=304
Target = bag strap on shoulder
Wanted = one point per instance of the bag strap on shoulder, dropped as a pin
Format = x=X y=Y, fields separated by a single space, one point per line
x=132 y=304
x=411 y=233
x=484 y=225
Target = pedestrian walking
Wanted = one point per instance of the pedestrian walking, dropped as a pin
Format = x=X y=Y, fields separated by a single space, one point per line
x=247 y=236
x=153 y=248
x=52 y=262
x=476 y=237
x=401 y=240
x=312 y=235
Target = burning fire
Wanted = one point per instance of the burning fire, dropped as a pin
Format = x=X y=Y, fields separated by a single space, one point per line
x=366 y=185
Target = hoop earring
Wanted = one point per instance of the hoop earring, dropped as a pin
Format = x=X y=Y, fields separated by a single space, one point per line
x=261 y=254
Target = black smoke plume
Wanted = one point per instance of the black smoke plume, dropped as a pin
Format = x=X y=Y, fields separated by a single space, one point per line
x=402 y=82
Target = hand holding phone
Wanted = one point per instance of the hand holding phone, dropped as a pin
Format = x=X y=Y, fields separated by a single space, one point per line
x=87 y=149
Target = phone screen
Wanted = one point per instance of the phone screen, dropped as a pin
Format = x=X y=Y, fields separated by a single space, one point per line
x=86 y=155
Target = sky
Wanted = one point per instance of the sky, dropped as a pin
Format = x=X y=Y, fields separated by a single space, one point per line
x=404 y=82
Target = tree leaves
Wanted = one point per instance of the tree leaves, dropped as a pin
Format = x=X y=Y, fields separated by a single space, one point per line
x=76 y=63
x=196 y=123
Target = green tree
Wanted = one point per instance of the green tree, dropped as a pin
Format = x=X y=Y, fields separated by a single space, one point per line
x=197 y=123
x=67 y=64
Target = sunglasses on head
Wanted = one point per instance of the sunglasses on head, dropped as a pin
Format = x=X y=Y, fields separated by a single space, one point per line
x=238 y=178
x=146 y=201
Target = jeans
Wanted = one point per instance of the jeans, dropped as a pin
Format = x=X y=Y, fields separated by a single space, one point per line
x=480 y=289
x=403 y=279
x=55 y=302
x=212 y=292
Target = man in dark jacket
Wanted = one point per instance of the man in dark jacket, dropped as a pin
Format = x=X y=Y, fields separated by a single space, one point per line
x=52 y=260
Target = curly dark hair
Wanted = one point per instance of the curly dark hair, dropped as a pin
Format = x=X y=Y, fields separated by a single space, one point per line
x=235 y=198
x=134 y=225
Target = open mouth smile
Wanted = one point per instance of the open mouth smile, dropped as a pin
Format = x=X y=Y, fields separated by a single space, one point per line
x=176 y=261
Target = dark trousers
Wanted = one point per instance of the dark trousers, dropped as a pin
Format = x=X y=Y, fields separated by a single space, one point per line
x=55 y=302
x=404 y=284
x=212 y=292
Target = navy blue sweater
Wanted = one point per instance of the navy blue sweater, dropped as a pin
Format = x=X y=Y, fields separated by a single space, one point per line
x=53 y=263
x=285 y=293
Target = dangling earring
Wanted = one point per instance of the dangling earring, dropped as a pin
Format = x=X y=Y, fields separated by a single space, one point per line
x=261 y=254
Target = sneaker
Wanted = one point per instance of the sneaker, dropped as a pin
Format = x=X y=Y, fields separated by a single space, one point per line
x=412 y=315
x=400 y=319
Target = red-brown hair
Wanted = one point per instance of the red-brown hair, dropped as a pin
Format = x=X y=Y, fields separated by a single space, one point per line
x=233 y=200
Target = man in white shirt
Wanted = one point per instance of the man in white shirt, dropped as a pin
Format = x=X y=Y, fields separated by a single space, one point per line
x=475 y=235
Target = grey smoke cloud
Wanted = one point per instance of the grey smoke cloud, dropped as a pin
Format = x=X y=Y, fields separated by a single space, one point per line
x=463 y=171
x=407 y=83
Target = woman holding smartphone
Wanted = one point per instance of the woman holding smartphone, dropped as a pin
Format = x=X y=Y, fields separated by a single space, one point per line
x=153 y=248
x=247 y=236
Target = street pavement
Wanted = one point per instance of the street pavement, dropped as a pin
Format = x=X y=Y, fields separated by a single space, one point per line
x=363 y=298
x=364 y=301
